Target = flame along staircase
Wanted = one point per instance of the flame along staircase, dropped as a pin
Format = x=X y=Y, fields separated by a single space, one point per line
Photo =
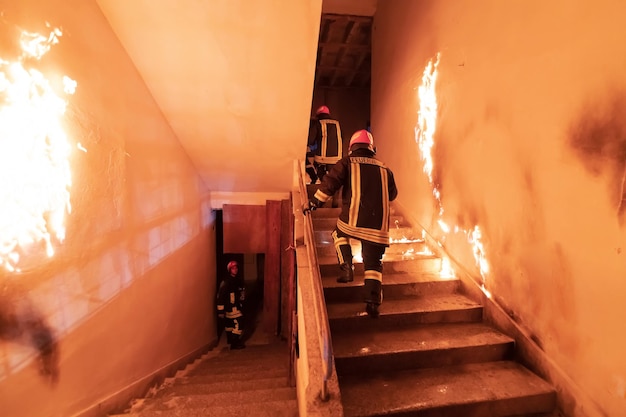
x=429 y=353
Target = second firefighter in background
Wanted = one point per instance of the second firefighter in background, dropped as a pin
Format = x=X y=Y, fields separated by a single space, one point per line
x=324 y=146
x=368 y=188
x=230 y=297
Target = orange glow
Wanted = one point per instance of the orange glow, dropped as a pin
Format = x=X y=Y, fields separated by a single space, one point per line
x=427 y=121
x=35 y=172
x=479 y=251
x=424 y=136
x=446 y=269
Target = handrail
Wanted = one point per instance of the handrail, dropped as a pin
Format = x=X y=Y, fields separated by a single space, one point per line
x=321 y=314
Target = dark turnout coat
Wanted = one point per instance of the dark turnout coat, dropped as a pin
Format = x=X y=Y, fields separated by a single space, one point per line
x=325 y=139
x=368 y=188
x=230 y=297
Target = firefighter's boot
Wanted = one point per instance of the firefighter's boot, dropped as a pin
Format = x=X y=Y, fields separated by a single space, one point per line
x=237 y=342
x=373 y=296
x=346 y=273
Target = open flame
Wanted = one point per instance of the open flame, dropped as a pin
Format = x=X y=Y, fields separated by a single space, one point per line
x=427 y=122
x=424 y=136
x=35 y=177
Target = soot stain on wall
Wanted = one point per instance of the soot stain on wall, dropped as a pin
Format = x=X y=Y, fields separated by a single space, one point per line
x=598 y=139
x=21 y=322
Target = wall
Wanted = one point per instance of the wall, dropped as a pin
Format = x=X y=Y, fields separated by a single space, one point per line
x=529 y=147
x=128 y=293
x=233 y=78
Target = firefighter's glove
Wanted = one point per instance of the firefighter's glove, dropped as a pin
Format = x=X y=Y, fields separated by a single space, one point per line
x=311 y=206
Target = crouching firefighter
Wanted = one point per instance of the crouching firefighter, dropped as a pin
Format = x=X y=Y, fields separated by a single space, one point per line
x=230 y=298
x=368 y=188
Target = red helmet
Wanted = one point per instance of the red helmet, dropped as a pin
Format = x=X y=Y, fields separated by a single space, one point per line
x=322 y=109
x=231 y=264
x=362 y=137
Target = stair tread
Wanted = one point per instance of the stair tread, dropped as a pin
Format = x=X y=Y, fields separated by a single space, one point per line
x=389 y=279
x=223 y=375
x=484 y=389
x=361 y=342
x=400 y=233
x=172 y=400
x=198 y=385
x=284 y=408
x=260 y=368
x=394 y=249
x=254 y=358
x=429 y=353
x=387 y=258
x=431 y=303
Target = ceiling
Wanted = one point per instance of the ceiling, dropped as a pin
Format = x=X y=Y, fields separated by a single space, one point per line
x=234 y=77
x=344 y=54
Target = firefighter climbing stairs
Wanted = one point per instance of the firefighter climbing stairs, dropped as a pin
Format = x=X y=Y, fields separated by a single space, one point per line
x=429 y=353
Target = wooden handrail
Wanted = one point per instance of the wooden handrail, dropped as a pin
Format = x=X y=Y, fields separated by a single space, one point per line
x=321 y=313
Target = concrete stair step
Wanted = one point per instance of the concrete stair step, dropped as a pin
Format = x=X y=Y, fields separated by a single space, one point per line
x=222 y=375
x=254 y=359
x=493 y=389
x=225 y=354
x=261 y=369
x=366 y=351
x=288 y=408
x=224 y=382
x=326 y=248
x=201 y=385
x=172 y=400
x=395 y=285
x=327 y=222
x=397 y=234
x=437 y=308
x=416 y=263
x=429 y=353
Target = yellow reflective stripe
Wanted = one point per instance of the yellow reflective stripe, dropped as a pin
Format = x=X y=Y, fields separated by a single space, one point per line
x=323 y=157
x=366 y=160
x=338 y=241
x=324 y=138
x=340 y=257
x=355 y=185
x=385 y=188
x=371 y=235
x=321 y=196
x=220 y=307
x=374 y=275
x=341 y=241
x=339 y=144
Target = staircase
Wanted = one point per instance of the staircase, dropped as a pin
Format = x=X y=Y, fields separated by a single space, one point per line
x=229 y=383
x=429 y=353
x=226 y=383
